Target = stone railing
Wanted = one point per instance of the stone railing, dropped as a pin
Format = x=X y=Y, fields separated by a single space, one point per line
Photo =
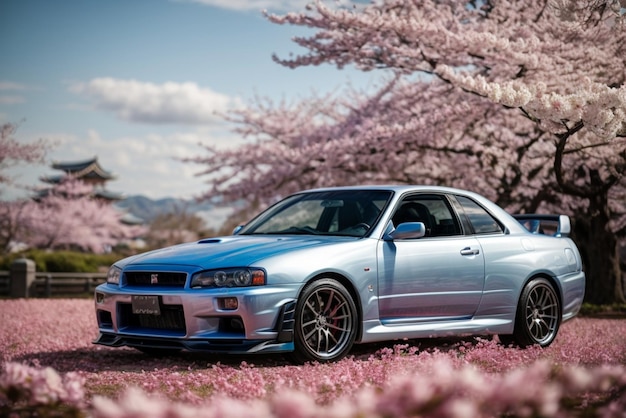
x=23 y=281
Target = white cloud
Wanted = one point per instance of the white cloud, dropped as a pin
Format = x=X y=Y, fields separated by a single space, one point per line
x=167 y=103
x=150 y=165
x=9 y=85
x=146 y=164
x=142 y=165
x=9 y=100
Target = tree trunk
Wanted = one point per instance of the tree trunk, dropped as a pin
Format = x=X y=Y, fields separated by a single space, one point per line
x=600 y=252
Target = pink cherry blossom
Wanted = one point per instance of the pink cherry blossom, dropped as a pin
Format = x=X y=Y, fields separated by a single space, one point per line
x=521 y=101
x=12 y=152
x=68 y=216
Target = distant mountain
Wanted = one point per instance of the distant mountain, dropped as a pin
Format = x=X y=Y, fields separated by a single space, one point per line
x=148 y=209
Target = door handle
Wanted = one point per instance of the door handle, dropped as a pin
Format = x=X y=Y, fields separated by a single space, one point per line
x=469 y=251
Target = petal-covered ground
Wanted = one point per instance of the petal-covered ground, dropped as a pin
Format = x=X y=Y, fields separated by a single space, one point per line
x=58 y=333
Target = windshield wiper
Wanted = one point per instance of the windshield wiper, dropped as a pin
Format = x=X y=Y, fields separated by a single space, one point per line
x=292 y=230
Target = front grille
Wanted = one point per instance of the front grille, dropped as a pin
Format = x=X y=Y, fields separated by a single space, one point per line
x=172 y=318
x=155 y=278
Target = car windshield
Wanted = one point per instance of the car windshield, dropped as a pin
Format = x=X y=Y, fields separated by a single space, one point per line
x=338 y=212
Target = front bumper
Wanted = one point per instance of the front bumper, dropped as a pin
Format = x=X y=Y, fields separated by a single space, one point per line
x=195 y=320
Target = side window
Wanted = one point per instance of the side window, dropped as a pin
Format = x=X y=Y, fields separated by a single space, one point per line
x=482 y=222
x=433 y=210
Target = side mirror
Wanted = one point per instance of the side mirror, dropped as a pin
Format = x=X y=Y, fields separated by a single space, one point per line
x=237 y=229
x=407 y=230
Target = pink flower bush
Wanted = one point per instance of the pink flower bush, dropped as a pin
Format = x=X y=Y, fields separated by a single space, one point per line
x=40 y=390
x=49 y=366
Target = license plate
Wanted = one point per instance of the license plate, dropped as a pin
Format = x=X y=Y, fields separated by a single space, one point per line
x=146 y=305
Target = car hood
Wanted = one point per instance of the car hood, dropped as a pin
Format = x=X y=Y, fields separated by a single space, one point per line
x=232 y=251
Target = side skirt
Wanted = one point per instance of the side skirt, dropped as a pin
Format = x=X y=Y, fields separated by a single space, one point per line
x=374 y=330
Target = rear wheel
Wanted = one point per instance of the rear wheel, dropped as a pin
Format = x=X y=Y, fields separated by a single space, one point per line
x=538 y=315
x=326 y=322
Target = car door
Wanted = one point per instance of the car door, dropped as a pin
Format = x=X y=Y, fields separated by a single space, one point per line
x=436 y=277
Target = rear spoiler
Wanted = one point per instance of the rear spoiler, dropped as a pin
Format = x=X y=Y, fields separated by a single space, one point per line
x=555 y=225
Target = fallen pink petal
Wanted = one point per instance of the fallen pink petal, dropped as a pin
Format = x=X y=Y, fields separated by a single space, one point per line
x=51 y=366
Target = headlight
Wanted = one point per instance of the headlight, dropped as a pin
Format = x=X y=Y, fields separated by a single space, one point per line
x=237 y=277
x=113 y=276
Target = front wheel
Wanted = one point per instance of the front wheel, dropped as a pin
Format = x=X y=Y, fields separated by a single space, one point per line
x=326 y=322
x=538 y=315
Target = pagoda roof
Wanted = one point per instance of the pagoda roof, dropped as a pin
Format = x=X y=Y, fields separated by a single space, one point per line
x=130 y=219
x=108 y=195
x=84 y=169
x=100 y=194
x=51 y=179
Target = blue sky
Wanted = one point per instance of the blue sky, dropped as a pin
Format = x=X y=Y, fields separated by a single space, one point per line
x=137 y=83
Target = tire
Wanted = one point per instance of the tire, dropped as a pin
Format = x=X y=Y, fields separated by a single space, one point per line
x=326 y=322
x=538 y=316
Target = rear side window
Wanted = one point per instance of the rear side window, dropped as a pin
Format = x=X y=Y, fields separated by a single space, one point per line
x=482 y=222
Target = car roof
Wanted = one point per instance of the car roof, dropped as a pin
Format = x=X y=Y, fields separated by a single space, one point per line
x=396 y=188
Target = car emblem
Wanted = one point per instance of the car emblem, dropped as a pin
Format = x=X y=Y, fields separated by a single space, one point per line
x=154 y=279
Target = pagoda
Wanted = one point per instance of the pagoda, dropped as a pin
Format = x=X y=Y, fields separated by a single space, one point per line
x=88 y=171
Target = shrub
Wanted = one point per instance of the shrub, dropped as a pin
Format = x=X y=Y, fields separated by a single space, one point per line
x=63 y=261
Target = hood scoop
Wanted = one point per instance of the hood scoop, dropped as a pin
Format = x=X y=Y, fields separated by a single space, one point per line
x=210 y=241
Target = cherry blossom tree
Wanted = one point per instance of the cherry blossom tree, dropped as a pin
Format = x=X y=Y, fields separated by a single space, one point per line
x=11 y=213
x=69 y=217
x=66 y=217
x=174 y=228
x=522 y=101
x=12 y=153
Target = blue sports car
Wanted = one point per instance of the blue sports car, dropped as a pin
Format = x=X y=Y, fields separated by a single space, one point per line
x=324 y=269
